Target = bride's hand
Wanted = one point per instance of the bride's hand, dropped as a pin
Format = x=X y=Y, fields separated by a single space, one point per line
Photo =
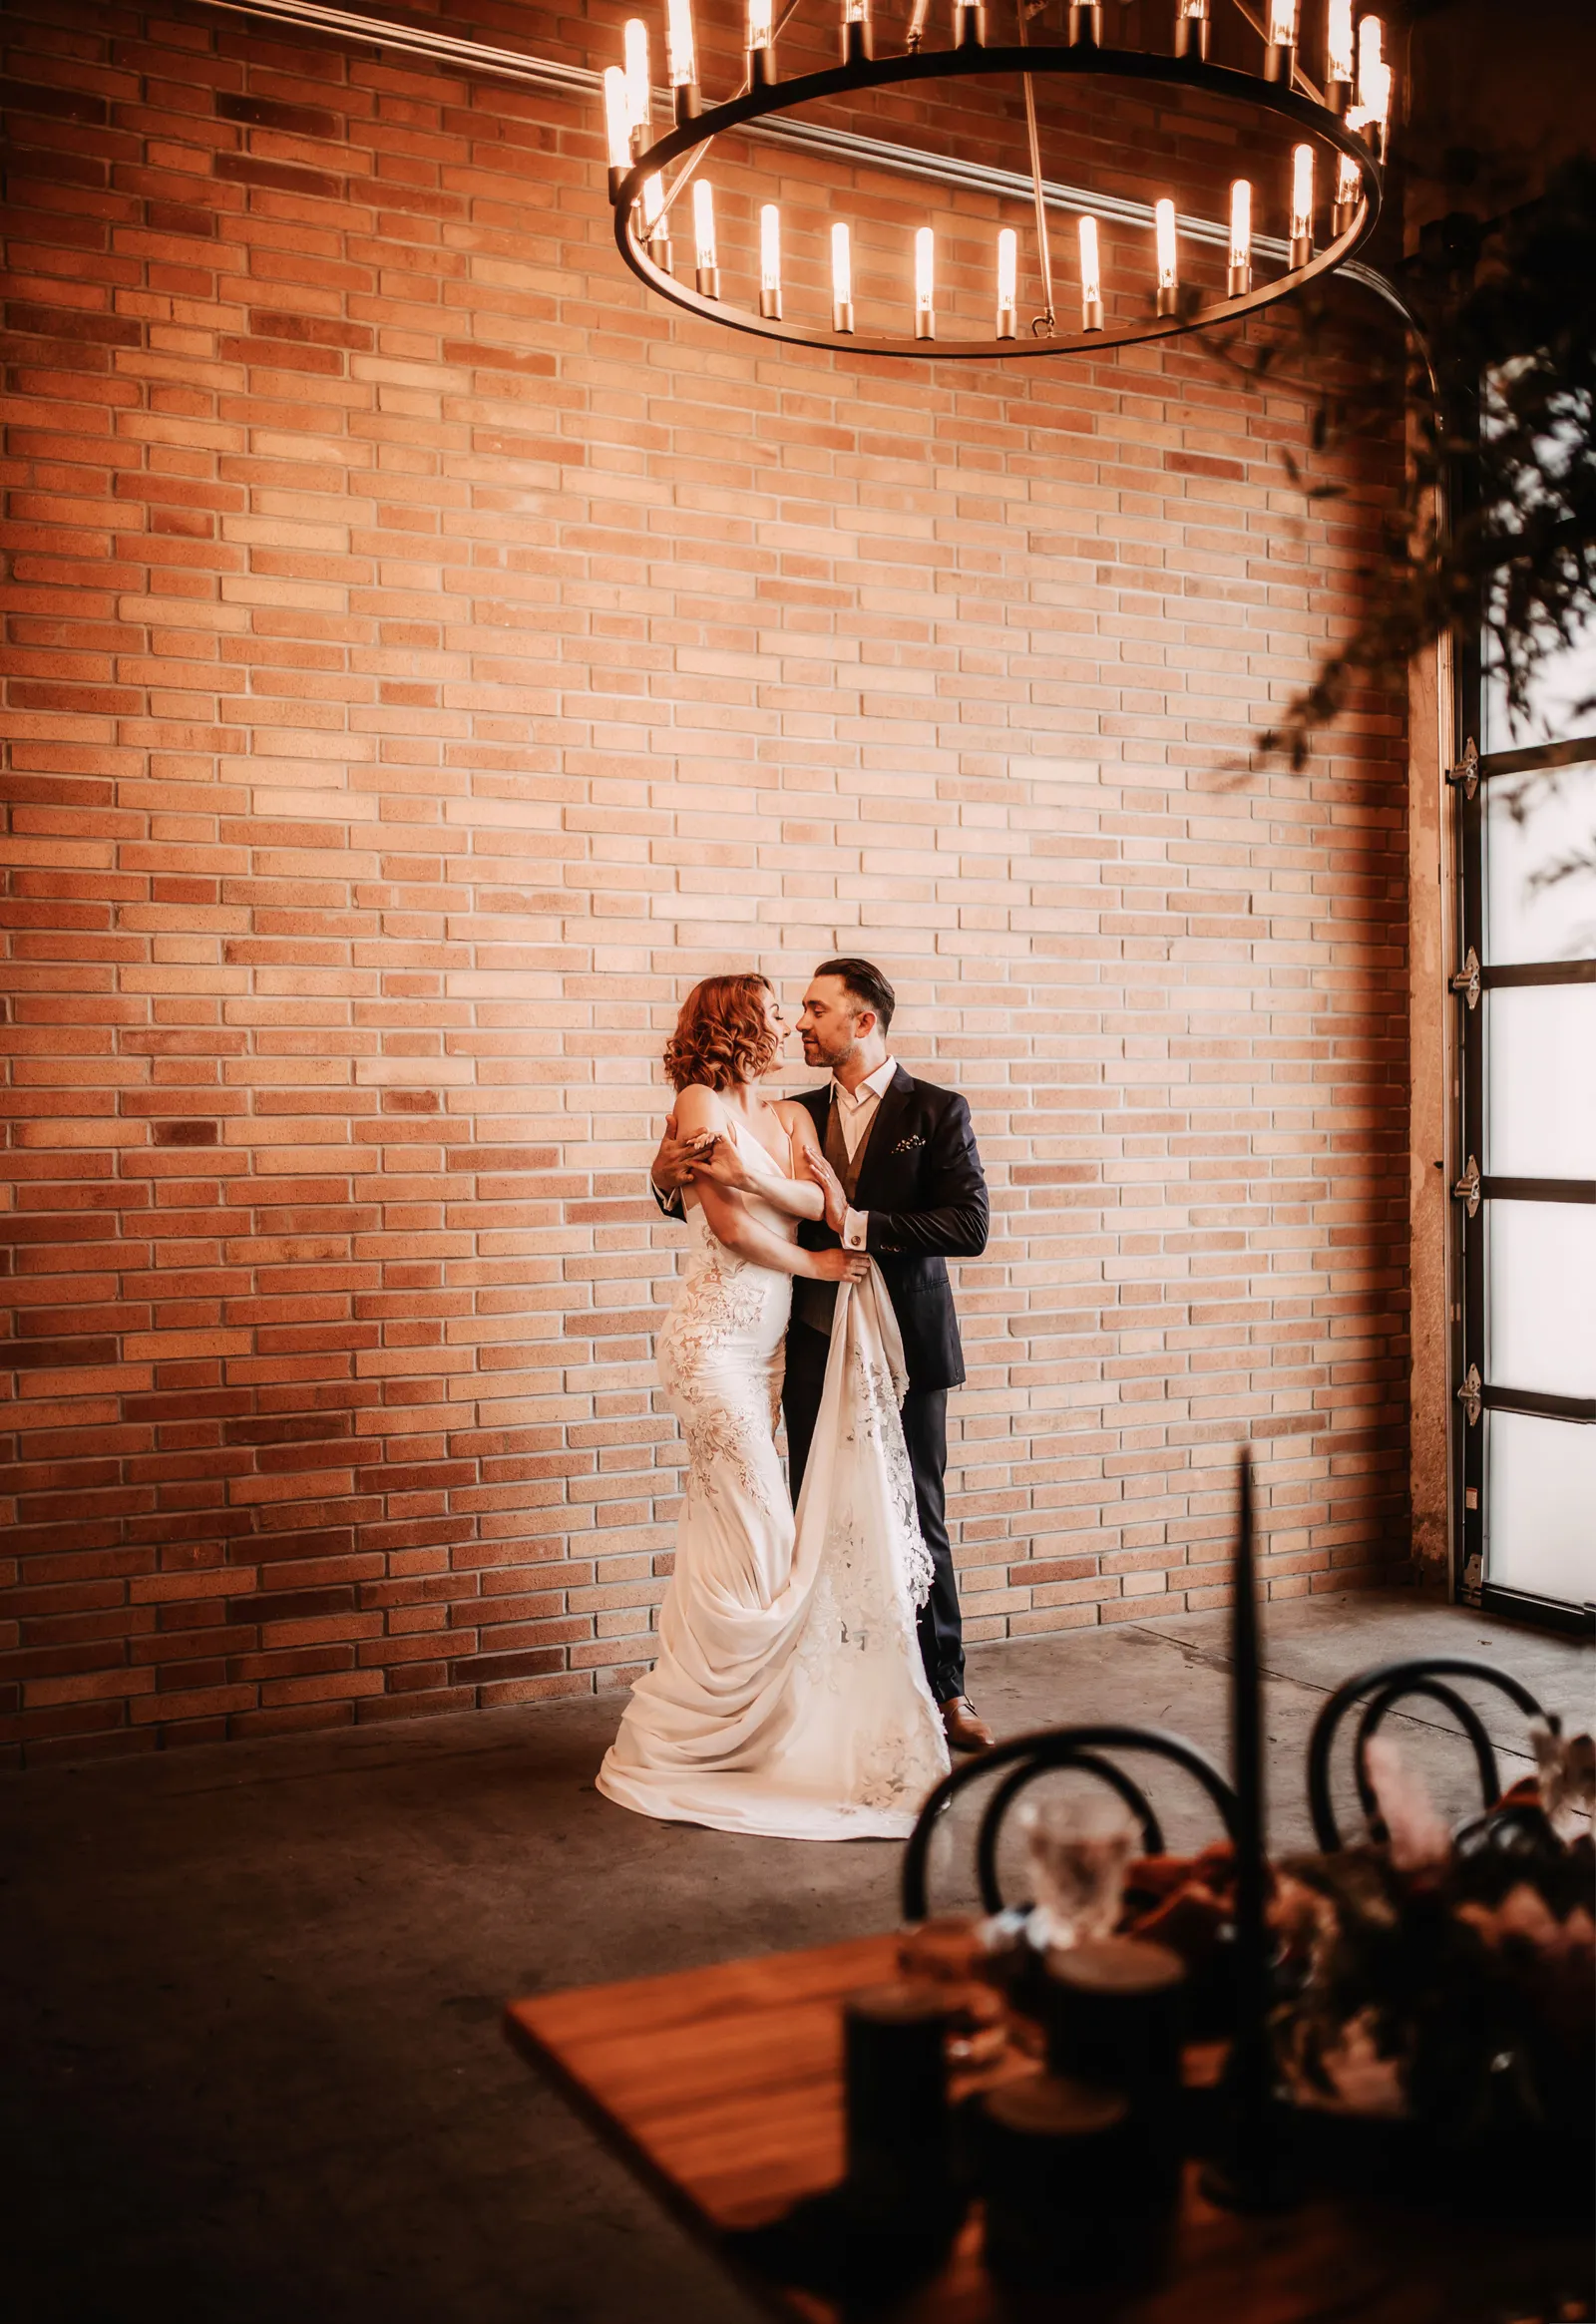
x=840 y=1266
x=721 y=1163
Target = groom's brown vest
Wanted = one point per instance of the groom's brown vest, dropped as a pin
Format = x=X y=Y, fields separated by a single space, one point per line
x=813 y=1303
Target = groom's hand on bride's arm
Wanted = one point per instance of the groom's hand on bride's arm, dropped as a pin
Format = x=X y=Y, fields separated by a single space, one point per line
x=672 y=1167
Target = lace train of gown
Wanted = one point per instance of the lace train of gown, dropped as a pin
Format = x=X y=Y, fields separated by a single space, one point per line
x=789 y=1698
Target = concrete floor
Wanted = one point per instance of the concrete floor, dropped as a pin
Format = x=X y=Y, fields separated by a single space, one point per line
x=253 y=2065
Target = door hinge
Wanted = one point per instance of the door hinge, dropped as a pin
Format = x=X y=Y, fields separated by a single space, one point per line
x=1472 y=1395
x=1466 y=981
x=1467 y=1187
x=1466 y=772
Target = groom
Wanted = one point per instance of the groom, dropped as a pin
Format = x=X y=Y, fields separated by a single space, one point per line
x=903 y=1181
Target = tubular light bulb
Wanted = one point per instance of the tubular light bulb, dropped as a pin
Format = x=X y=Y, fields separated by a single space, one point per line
x=1164 y=227
x=770 y=248
x=703 y=223
x=762 y=24
x=1007 y=268
x=1339 y=42
x=653 y=203
x=1373 y=77
x=681 y=62
x=917 y=23
x=842 y=280
x=618 y=118
x=1371 y=44
x=640 y=93
x=1192 y=11
x=1349 y=185
x=856 y=11
x=1380 y=99
x=1302 y=194
x=842 y=266
x=1241 y=237
x=1373 y=81
x=1240 y=223
x=1283 y=23
x=1091 y=279
x=925 y=284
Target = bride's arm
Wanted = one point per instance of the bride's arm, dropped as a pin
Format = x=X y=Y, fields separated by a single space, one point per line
x=730 y=1219
x=730 y=1224
x=798 y=1197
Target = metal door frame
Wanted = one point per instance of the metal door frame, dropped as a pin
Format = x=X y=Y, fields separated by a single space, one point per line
x=1474 y=1394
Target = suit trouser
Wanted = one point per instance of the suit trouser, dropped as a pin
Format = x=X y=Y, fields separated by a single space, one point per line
x=924 y=1419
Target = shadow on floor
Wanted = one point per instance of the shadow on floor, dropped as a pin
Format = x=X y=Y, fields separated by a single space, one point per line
x=253 y=2061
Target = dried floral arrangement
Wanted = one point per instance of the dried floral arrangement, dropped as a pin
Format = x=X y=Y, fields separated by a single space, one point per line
x=1442 y=1979
x=1450 y=1977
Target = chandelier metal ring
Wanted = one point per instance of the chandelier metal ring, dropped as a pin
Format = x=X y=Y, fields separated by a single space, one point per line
x=1081 y=60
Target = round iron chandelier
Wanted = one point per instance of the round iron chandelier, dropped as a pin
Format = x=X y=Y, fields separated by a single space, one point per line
x=1345 y=125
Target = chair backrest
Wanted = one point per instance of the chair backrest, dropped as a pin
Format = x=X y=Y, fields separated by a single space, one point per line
x=1387 y=1684
x=1028 y=1757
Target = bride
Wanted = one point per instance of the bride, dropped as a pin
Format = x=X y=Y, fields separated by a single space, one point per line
x=789 y=1698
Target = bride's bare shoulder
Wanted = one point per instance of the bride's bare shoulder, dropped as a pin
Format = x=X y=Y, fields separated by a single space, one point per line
x=698 y=1107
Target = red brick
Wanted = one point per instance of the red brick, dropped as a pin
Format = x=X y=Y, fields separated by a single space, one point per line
x=428 y=658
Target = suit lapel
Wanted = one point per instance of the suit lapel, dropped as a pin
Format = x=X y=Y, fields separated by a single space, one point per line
x=884 y=1131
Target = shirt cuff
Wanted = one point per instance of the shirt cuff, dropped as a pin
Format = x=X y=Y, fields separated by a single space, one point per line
x=855 y=1227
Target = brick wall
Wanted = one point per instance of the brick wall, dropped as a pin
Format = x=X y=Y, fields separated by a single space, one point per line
x=425 y=657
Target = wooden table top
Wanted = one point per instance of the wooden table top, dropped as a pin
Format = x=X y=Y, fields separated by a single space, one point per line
x=722 y=2088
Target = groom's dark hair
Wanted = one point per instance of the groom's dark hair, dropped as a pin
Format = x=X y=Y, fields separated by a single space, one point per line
x=867 y=983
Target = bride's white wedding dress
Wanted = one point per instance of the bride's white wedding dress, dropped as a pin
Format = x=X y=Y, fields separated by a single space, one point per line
x=789 y=1698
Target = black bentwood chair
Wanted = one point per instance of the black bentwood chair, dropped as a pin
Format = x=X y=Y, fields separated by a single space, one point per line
x=1026 y=1757
x=1385 y=1686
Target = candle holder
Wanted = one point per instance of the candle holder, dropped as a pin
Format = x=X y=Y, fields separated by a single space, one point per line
x=1249 y=2174
x=1056 y=2160
x=1161 y=312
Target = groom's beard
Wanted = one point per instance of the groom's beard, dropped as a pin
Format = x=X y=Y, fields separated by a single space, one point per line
x=814 y=1054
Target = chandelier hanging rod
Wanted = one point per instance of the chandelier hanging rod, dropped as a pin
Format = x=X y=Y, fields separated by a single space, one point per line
x=1299 y=78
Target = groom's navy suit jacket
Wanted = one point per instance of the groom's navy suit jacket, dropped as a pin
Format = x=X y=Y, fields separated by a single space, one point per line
x=921 y=1182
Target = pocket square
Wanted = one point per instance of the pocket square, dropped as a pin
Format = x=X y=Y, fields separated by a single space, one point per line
x=908 y=1145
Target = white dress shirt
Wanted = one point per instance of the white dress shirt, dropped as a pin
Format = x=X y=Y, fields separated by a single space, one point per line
x=855 y=1110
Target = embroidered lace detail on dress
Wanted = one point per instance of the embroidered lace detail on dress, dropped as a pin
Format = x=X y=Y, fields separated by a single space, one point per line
x=729 y=1435
x=875 y=1420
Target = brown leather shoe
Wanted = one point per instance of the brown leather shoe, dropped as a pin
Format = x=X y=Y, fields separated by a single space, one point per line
x=965 y=1731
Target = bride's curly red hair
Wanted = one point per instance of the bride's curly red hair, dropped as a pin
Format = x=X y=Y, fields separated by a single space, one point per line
x=721 y=1036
